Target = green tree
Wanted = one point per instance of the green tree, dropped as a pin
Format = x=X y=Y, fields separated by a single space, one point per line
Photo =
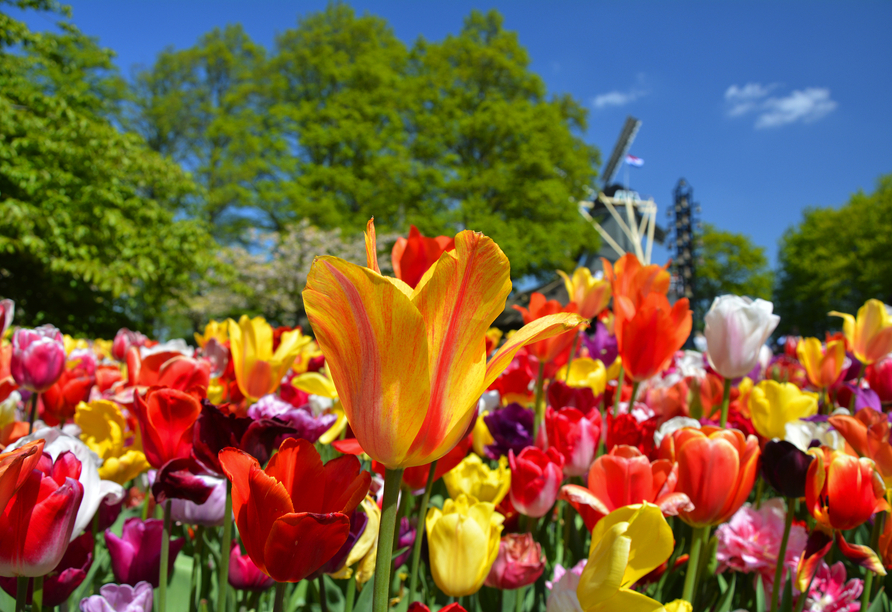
x=731 y=264
x=836 y=259
x=88 y=232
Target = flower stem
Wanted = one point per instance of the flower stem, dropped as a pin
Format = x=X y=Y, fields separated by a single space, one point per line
x=726 y=397
x=572 y=354
x=879 y=521
x=279 y=605
x=33 y=412
x=323 y=599
x=690 y=579
x=223 y=576
x=37 y=595
x=165 y=555
x=351 y=594
x=634 y=394
x=384 y=559
x=196 y=564
x=619 y=389
x=419 y=533
x=518 y=599
x=781 y=554
x=540 y=396
x=21 y=593
x=855 y=392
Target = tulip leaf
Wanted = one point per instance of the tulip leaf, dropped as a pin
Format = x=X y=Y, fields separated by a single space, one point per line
x=725 y=601
x=787 y=601
x=760 y=595
x=364 y=599
x=879 y=603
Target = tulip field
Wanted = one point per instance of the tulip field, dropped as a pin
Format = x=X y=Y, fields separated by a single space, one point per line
x=401 y=453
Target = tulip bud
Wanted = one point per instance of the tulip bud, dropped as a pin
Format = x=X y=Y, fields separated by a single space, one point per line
x=474 y=478
x=38 y=357
x=736 y=329
x=574 y=436
x=520 y=562
x=124 y=339
x=535 y=480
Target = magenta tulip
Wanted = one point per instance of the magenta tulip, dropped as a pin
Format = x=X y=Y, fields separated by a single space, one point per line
x=38 y=357
x=243 y=574
x=136 y=555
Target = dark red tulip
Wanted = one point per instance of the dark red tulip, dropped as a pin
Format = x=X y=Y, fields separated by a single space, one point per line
x=179 y=479
x=785 y=468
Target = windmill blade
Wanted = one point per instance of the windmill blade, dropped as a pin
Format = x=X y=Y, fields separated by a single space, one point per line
x=626 y=137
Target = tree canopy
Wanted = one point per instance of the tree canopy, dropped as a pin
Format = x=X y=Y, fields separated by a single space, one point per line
x=89 y=234
x=836 y=259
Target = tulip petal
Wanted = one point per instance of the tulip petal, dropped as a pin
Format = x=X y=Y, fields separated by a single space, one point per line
x=346 y=484
x=816 y=548
x=603 y=574
x=315 y=383
x=652 y=543
x=862 y=555
x=299 y=543
x=376 y=345
x=371 y=247
x=298 y=467
x=459 y=550
x=628 y=601
x=16 y=467
x=705 y=467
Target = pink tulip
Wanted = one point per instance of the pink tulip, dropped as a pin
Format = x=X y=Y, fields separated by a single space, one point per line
x=520 y=562
x=243 y=574
x=38 y=357
x=124 y=339
x=136 y=555
x=7 y=310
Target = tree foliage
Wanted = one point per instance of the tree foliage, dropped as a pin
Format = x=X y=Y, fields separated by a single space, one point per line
x=836 y=259
x=88 y=232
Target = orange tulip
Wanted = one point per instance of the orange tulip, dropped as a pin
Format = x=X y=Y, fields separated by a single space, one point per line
x=15 y=468
x=868 y=434
x=166 y=421
x=632 y=282
x=624 y=477
x=294 y=515
x=822 y=363
x=413 y=257
x=870 y=334
x=591 y=295
x=650 y=334
x=410 y=364
x=548 y=350
x=716 y=470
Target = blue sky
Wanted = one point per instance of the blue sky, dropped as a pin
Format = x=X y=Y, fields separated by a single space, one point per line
x=765 y=108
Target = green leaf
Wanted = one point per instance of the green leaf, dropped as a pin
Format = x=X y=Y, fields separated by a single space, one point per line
x=725 y=602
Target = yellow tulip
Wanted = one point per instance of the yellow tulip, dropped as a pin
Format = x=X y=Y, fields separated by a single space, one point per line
x=494 y=335
x=679 y=605
x=214 y=329
x=773 y=405
x=104 y=431
x=615 y=367
x=258 y=371
x=586 y=372
x=822 y=364
x=74 y=343
x=870 y=335
x=627 y=544
x=482 y=437
x=364 y=551
x=464 y=542
x=590 y=294
x=476 y=479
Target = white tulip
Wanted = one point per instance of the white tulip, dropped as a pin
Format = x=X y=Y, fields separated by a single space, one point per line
x=736 y=329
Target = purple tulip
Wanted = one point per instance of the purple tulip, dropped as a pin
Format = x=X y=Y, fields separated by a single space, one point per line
x=120 y=598
x=511 y=428
x=308 y=426
x=601 y=344
x=406 y=540
x=136 y=556
x=210 y=513
x=38 y=357
x=243 y=574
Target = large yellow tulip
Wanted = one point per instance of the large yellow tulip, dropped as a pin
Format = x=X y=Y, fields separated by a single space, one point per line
x=586 y=372
x=464 y=543
x=870 y=335
x=473 y=477
x=104 y=431
x=822 y=364
x=410 y=364
x=590 y=294
x=627 y=544
x=773 y=405
x=258 y=371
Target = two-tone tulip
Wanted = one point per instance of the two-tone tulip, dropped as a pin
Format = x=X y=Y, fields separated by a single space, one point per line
x=590 y=294
x=535 y=480
x=478 y=480
x=823 y=363
x=870 y=334
x=38 y=357
x=772 y=405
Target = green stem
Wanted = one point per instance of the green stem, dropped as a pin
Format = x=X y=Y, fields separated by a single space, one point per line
x=518 y=599
x=854 y=393
x=33 y=412
x=540 y=395
x=760 y=488
x=419 y=532
x=37 y=595
x=778 y=571
x=619 y=389
x=801 y=604
x=384 y=559
x=726 y=398
x=634 y=394
x=21 y=593
x=165 y=555
x=223 y=576
x=323 y=600
x=351 y=594
x=690 y=580
x=878 y=524
x=572 y=354
x=196 y=564
x=279 y=605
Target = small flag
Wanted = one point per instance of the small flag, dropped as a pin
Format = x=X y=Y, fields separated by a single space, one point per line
x=634 y=161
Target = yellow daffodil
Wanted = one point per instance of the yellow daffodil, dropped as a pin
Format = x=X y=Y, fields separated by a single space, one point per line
x=773 y=405
x=104 y=431
x=822 y=364
x=586 y=372
x=364 y=551
x=590 y=294
x=627 y=544
x=473 y=477
x=482 y=437
x=464 y=543
x=258 y=370
x=870 y=335
x=214 y=329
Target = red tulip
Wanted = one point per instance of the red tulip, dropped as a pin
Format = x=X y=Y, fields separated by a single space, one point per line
x=879 y=376
x=166 y=420
x=413 y=256
x=623 y=478
x=65 y=577
x=574 y=436
x=294 y=515
x=535 y=479
x=520 y=562
x=649 y=334
x=38 y=357
x=36 y=523
x=173 y=370
x=61 y=400
x=551 y=349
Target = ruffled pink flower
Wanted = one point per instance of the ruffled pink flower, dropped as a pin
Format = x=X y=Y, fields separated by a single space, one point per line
x=831 y=592
x=750 y=541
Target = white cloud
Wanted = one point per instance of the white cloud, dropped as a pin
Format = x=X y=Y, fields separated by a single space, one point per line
x=805 y=105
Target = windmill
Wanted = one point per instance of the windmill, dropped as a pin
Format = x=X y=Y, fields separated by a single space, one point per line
x=625 y=222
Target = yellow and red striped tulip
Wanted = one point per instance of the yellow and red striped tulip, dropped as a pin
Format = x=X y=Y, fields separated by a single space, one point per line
x=870 y=334
x=822 y=363
x=410 y=364
x=590 y=294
